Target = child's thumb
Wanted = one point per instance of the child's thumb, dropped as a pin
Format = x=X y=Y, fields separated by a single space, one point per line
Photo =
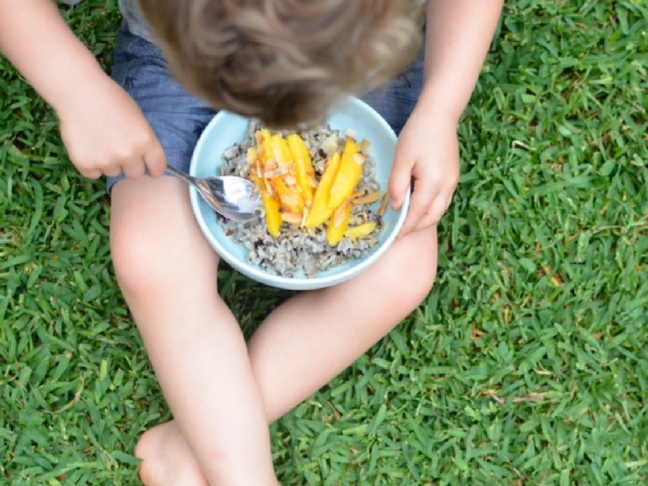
x=398 y=185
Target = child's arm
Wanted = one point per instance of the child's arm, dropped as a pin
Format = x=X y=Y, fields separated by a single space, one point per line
x=458 y=35
x=103 y=129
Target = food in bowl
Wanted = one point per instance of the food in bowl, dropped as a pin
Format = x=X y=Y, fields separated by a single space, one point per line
x=322 y=202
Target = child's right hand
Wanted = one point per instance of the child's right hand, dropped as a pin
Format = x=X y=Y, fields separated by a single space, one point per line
x=106 y=133
x=103 y=129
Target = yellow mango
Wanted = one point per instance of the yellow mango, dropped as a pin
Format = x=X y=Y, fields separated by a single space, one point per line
x=252 y=155
x=280 y=150
x=264 y=145
x=348 y=175
x=303 y=166
x=274 y=156
x=320 y=211
x=286 y=184
x=288 y=195
x=338 y=224
x=272 y=213
x=270 y=204
x=359 y=231
x=255 y=167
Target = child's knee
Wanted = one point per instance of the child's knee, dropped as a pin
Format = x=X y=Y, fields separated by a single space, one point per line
x=418 y=268
x=136 y=257
x=422 y=283
x=155 y=260
x=416 y=286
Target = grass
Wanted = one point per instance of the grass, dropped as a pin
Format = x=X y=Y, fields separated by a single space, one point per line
x=527 y=363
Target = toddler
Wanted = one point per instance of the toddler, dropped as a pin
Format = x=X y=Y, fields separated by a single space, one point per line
x=284 y=61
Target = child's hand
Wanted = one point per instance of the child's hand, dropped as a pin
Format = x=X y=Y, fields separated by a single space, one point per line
x=427 y=156
x=106 y=133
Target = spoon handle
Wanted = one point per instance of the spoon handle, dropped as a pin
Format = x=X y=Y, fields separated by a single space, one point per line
x=182 y=175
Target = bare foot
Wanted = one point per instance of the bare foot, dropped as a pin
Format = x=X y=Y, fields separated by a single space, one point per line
x=167 y=459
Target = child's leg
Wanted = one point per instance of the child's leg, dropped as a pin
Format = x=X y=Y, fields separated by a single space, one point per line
x=314 y=336
x=167 y=273
x=309 y=339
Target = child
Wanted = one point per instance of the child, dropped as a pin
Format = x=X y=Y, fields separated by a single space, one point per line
x=282 y=60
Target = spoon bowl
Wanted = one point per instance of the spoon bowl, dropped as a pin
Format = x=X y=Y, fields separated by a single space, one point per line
x=233 y=197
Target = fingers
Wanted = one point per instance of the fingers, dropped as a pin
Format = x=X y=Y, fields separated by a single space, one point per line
x=426 y=209
x=151 y=156
x=134 y=170
x=435 y=213
x=93 y=170
x=421 y=200
x=155 y=159
x=91 y=173
x=152 y=159
x=398 y=185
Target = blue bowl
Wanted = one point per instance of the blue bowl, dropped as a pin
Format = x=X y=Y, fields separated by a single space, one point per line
x=227 y=129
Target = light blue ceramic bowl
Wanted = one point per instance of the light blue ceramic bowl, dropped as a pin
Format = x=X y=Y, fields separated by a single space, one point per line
x=227 y=129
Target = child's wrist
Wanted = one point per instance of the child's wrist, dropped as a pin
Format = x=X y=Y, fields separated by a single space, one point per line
x=440 y=104
x=76 y=90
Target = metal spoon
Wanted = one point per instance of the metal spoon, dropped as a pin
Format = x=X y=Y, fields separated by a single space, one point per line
x=233 y=197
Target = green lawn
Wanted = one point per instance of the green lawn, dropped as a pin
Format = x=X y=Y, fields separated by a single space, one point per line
x=526 y=365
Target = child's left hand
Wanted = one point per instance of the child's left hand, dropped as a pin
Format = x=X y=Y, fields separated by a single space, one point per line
x=427 y=156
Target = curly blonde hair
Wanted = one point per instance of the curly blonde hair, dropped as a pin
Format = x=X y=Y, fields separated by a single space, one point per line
x=284 y=61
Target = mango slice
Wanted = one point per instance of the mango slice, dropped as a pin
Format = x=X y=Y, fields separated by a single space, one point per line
x=280 y=150
x=359 y=231
x=283 y=170
x=270 y=204
x=264 y=145
x=321 y=211
x=338 y=224
x=303 y=167
x=348 y=175
x=272 y=213
x=289 y=191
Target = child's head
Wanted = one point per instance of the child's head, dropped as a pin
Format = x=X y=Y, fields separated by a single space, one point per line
x=284 y=61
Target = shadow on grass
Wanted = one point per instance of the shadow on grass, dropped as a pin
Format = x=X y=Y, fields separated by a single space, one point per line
x=250 y=301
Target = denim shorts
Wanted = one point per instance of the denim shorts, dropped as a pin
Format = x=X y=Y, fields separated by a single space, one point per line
x=178 y=118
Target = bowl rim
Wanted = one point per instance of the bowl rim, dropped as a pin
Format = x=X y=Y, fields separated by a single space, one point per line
x=257 y=273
